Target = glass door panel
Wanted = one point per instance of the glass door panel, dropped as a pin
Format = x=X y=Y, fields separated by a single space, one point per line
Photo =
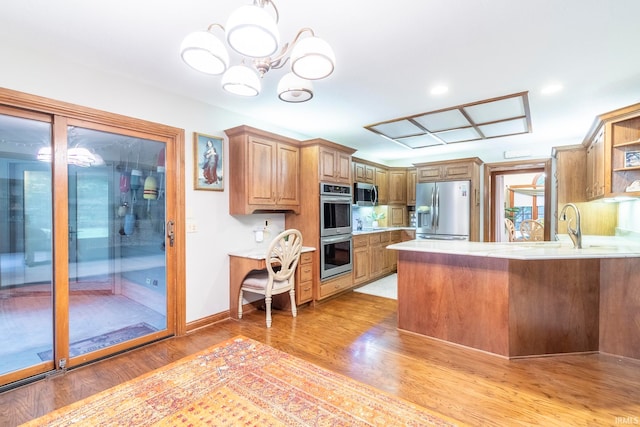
x=117 y=269
x=26 y=302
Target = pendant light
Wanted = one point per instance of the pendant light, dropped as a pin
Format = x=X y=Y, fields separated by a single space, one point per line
x=252 y=32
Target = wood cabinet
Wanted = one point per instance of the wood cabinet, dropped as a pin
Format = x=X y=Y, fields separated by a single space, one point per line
x=360 y=259
x=395 y=236
x=382 y=182
x=625 y=154
x=304 y=278
x=595 y=167
x=263 y=173
x=450 y=170
x=398 y=186
x=363 y=173
x=412 y=176
x=397 y=216
x=335 y=166
x=613 y=154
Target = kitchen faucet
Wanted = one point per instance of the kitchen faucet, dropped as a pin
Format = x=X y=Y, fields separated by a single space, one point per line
x=574 y=233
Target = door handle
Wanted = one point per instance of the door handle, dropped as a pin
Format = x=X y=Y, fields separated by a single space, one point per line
x=170 y=232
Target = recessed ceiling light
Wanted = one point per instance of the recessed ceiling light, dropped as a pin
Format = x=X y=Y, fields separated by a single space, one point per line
x=551 y=89
x=439 y=90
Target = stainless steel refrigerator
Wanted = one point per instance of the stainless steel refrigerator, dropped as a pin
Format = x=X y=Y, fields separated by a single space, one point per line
x=442 y=210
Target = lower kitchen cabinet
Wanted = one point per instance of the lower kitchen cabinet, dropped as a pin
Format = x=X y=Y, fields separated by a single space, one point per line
x=360 y=259
x=304 y=278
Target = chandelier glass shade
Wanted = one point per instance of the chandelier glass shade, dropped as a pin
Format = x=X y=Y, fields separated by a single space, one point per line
x=292 y=88
x=241 y=80
x=204 y=52
x=253 y=33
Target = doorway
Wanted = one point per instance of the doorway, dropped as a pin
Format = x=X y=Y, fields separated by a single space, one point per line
x=516 y=191
x=86 y=267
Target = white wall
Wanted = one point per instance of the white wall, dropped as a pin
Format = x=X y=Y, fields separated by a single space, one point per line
x=218 y=233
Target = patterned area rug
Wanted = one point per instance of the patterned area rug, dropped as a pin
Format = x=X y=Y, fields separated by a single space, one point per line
x=242 y=382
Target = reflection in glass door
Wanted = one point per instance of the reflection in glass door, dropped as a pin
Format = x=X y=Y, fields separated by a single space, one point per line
x=26 y=303
x=108 y=291
x=117 y=274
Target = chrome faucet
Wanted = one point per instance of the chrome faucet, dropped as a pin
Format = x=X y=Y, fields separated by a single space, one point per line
x=575 y=234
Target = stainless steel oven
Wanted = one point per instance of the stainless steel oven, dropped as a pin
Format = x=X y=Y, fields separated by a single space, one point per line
x=336 y=255
x=335 y=209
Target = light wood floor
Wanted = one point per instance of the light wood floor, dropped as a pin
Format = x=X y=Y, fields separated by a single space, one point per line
x=356 y=335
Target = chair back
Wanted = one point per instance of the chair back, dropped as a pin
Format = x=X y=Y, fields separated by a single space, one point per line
x=283 y=254
x=532 y=230
x=511 y=229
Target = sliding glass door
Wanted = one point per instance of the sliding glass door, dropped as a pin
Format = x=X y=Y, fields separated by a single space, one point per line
x=83 y=261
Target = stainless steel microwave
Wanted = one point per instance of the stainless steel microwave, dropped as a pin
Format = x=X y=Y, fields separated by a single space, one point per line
x=365 y=194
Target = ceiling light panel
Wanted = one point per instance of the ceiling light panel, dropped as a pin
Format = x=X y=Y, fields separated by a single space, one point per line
x=495 y=110
x=397 y=129
x=443 y=120
x=459 y=135
x=420 y=141
x=491 y=118
x=509 y=127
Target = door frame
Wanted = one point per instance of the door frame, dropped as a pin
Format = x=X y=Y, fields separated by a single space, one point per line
x=526 y=166
x=60 y=115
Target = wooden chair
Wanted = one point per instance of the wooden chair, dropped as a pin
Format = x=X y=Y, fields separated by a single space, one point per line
x=511 y=229
x=532 y=230
x=281 y=260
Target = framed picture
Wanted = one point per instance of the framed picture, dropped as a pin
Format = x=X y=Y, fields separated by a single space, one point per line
x=631 y=159
x=208 y=158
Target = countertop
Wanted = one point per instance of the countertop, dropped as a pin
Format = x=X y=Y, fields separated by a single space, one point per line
x=261 y=253
x=380 y=229
x=593 y=247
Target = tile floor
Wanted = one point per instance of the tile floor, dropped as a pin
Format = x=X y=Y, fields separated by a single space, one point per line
x=386 y=287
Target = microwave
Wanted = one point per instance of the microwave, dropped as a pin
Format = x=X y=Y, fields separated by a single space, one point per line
x=365 y=194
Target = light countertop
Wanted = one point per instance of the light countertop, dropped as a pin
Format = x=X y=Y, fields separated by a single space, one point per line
x=261 y=253
x=593 y=247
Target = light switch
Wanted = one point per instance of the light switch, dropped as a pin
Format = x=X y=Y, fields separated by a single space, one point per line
x=192 y=227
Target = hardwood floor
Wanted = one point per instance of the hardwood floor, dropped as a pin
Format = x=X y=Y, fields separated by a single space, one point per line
x=356 y=335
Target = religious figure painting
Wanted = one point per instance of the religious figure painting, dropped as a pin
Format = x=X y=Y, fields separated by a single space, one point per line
x=208 y=156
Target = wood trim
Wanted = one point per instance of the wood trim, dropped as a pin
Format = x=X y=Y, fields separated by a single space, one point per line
x=490 y=169
x=175 y=168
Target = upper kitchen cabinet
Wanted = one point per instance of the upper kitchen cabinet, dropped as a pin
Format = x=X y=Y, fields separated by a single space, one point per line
x=398 y=186
x=613 y=154
x=264 y=171
x=412 y=176
x=382 y=182
x=364 y=173
x=449 y=170
x=595 y=179
x=335 y=165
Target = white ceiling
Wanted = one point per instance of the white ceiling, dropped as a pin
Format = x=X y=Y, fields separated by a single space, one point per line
x=389 y=55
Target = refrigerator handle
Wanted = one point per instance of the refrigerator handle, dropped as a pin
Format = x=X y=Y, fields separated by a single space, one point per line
x=437 y=207
x=374 y=193
x=433 y=207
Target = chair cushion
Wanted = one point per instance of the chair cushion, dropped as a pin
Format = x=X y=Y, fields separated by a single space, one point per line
x=259 y=281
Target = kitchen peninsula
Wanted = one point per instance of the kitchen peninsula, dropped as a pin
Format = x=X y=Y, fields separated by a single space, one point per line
x=521 y=300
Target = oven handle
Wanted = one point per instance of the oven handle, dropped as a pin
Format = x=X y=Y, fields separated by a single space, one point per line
x=336 y=239
x=336 y=199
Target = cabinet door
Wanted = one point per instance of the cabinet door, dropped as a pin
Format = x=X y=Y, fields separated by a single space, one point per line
x=287 y=188
x=343 y=168
x=397 y=216
x=360 y=265
x=327 y=164
x=458 y=171
x=397 y=187
x=358 y=171
x=262 y=172
x=335 y=166
x=411 y=187
x=429 y=173
x=382 y=181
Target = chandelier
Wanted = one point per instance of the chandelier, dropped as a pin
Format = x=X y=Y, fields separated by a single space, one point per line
x=253 y=33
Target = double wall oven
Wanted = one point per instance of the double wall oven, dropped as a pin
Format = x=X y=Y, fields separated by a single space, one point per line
x=335 y=230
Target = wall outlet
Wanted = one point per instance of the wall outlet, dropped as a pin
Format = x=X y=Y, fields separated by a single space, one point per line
x=148 y=281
